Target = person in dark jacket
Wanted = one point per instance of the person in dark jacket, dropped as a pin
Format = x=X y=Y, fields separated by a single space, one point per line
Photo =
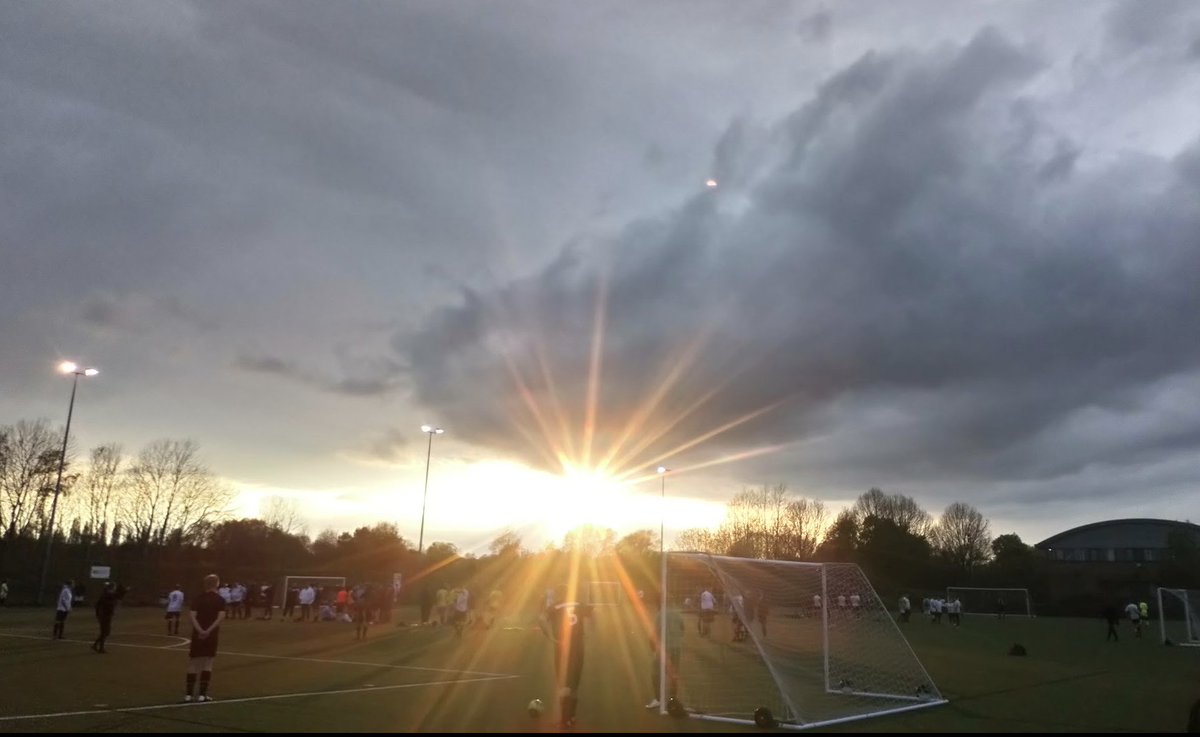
x=106 y=607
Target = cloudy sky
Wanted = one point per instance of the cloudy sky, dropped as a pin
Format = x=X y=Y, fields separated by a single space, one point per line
x=954 y=252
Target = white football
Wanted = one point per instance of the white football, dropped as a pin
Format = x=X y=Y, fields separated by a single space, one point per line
x=536 y=707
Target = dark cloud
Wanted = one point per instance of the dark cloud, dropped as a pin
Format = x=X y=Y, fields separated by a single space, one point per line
x=816 y=27
x=1135 y=26
x=367 y=381
x=925 y=279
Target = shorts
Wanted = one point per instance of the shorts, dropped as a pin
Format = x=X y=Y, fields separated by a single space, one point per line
x=206 y=648
x=172 y=615
x=707 y=615
x=60 y=616
x=459 y=616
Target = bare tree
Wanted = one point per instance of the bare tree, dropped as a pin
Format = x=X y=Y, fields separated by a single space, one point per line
x=590 y=540
x=100 y=490
x=507 y=543
x=767 y=522
x=806 y=520
x=963 y=536
x=283 y=513
x=899 y=509
x=171 y=492
x=30 y=456
x=700 y=540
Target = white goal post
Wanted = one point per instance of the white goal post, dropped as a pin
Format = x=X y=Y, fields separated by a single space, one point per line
x=1179 y=616
x=789 y=644
x=992 y=601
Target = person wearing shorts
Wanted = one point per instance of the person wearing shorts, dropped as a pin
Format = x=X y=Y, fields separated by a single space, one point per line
x=208 y=611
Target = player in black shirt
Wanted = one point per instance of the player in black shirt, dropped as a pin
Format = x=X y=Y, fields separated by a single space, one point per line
x=563 y=624
x=208 y=611
x=106 y=606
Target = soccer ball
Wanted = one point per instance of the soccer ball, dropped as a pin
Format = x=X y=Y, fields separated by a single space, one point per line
x=764 y=718
x=536 y=708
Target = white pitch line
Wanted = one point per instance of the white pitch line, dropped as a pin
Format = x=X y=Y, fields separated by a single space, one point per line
x=246 y=699
x=280 y=657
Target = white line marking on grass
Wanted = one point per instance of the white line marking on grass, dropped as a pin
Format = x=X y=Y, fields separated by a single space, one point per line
x=246 y=699
x=281 y=657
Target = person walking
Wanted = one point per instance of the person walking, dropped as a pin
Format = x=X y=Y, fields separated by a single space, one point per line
x=106 y=607
x=1113 y=617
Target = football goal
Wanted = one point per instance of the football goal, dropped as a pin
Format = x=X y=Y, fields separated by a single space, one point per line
x=1178 y=617
x=330 y=584
x=754 y=661
x=993 y=601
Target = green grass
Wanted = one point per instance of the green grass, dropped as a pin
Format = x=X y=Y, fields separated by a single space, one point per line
x=424 y=679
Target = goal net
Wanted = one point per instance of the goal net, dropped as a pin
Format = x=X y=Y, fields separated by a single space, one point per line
x=811 y=643
x=993 y=601
x=1178 y=617
x=606 y=593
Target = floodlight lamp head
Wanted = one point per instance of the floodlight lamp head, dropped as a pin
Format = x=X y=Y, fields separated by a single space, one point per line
x=90 y=372
x=663 y=469
x=67 y=367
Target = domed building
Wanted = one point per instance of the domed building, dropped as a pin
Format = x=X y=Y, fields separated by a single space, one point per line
x=1116 y=561
x=1116 y=541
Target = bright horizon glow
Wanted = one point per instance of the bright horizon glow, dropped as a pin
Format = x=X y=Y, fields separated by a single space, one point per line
x=480 y=500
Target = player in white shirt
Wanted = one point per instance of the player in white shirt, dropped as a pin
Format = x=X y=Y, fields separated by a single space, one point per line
x=174 y=609
x=237 y=593
x=855 y=602
x=708 y=611
x=66 y=599
x=1135 y=618
x=462 y=606
x=905 y=607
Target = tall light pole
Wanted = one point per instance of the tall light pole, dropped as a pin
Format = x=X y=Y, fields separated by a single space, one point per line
x=662 y=594
x=430 y=431
x=66 y=367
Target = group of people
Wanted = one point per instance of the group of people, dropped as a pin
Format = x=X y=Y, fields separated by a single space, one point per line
x=1137 y=613
x=106 y=607
x=456 y=607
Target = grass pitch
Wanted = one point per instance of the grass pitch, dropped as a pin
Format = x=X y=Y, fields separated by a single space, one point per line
x=274 y=676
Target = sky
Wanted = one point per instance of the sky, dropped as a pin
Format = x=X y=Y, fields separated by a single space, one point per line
x=953 y=252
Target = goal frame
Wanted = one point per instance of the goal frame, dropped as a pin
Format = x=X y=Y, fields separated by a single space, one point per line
x=1193 y=634
x=998 y=589
x=922 y=703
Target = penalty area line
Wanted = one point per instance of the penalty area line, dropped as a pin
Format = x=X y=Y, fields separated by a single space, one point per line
x=247 y=699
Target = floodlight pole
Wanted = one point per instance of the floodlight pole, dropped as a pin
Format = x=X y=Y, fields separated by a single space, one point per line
x=662 y=594
x=430 y=431
x=66 y=367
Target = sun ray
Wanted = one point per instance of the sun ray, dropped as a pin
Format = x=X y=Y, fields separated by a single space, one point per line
x=593 y=388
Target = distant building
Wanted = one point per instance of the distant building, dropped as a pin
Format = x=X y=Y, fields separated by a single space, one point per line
x=1115 y=541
